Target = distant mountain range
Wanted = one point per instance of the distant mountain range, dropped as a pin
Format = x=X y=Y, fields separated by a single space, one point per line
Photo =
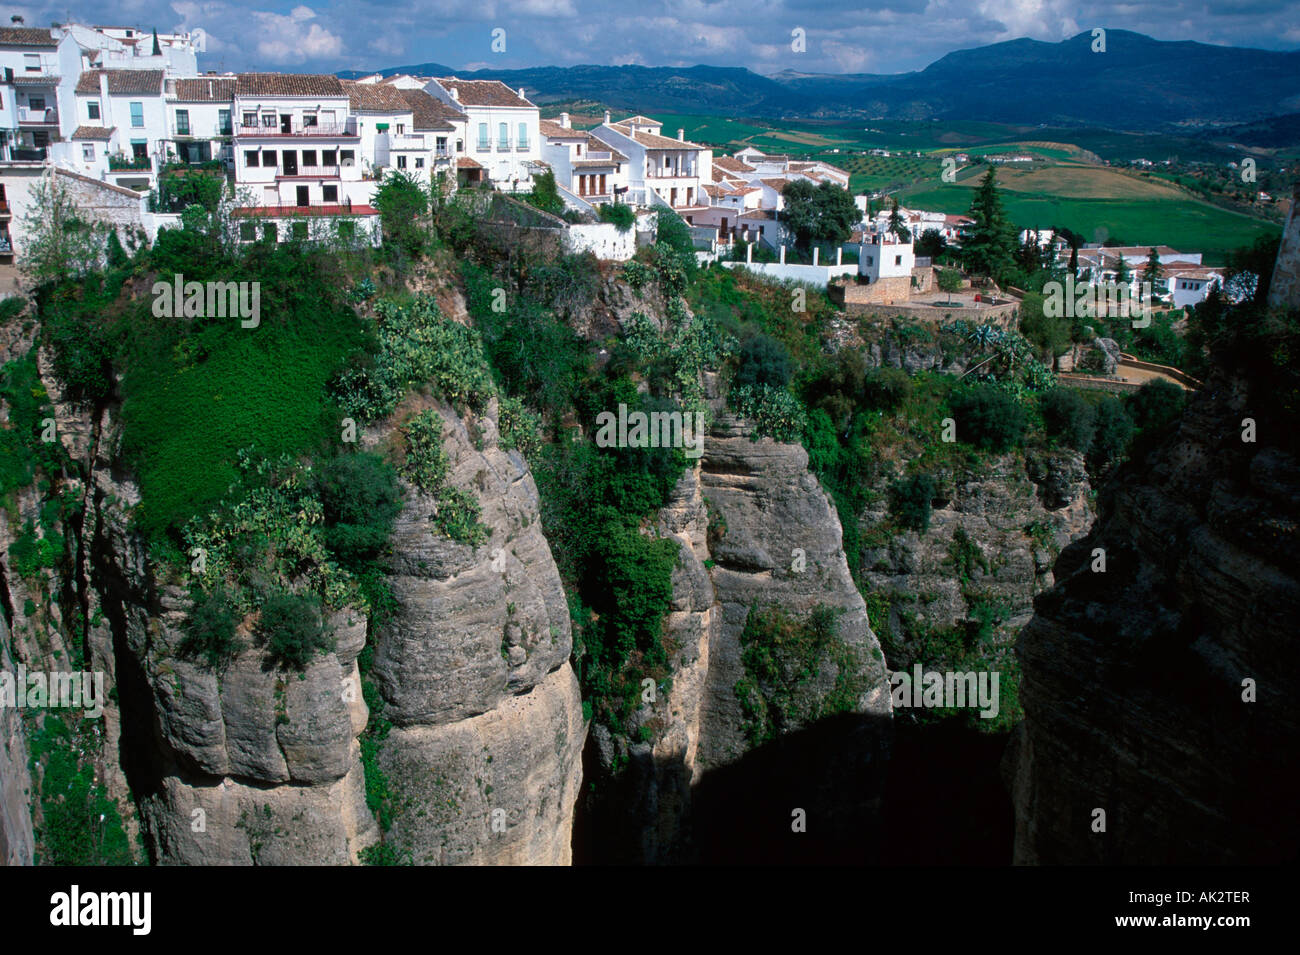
x=1138 y=83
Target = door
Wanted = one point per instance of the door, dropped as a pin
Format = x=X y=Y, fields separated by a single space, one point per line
x=286 y=123
x=303 y=196
x=290 y=162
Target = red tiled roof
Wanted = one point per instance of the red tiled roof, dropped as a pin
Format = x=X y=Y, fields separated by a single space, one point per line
x=464 y=162
x=482 y=92
x=288 y=84
x=429 y=112
x=27 y=36
x=651 y=141
x=777 y=184
x=205 y=89
x=93 y=132
x=121 y=81
x=553 y=130
x=731 y=165
x=375 y=98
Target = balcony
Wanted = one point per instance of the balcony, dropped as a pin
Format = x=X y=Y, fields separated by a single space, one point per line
x=348 y=128
x=406 y=142
x=213 y=131
x=129 y=163
x=37 y=117
x=28 y=154
x=309 y=172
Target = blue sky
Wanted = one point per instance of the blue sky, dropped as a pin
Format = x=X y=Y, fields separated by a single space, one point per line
x=876 y=36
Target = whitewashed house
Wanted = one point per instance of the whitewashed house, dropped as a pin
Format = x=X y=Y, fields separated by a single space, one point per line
x=502 y=126
x=39 y=68
x=295 y=143
x=201 y=119
x=130 y=105
x=673 y=170
x=584 y=166
x=442 y=127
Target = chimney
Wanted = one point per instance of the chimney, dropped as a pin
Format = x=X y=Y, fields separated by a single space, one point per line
x=521 y=93
x=564 y=120
x=681 y=135
x=455 y=93
x=606 y=117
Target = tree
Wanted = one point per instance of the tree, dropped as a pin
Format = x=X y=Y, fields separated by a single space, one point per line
x=1114 y=429
x=61 y=242
x=763 y=361
x=987 y=416
x=1050 y=334
x=1068 y=416
x=291 y=629
x=825 y=212
x=910 y=501
x=1152 y=273
x=990 y=250
x=546 y=194
x=1122 y=274
x=896 y=224
x=403 y=211
x=931 y=244
x=948 y=280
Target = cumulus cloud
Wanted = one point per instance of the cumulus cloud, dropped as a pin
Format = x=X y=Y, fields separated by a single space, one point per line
x=294 y=38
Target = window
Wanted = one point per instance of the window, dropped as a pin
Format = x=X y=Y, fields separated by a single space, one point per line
x=310 y=119
x=521 y=140
x=401 y=162
x=92 y=109
x=329 y=157
x=309 y=157
x=348 y=156
x=268 y=231
x=250 y=157
x=442 y=145
x=36 y=102
x=419 y=162
x=503 y=135
x=137 y=115
x=483 y=137
x=330 y=193
x=32 y=62
x=268 y=119
x=250 y=119
x=269 y=158
x=223 y=122
x=87 y=152
x=182 y=122
x=898 y=260
x=247 y=231
x=300 y=230
x=460 y=145
x=579 y=149
x=401 y=129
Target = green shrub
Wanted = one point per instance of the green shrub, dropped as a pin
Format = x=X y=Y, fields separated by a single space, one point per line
x=1156 y=404
x=887 y=388
x=210 y=629
x=764 y=361
x=1114 y=429
x=290 y=628
x=987 y=417
x=403 y=211
x=911 y=500
x=1068 y=416
x=520 y=428
x=425 y=464
x=775 y=412
x=620 y=215
x=360 y=501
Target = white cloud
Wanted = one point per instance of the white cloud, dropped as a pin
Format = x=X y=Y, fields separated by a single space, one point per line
x=294 y=38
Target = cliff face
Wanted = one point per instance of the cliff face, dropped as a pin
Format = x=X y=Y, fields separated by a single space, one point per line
x=485 y=753
x=755 y=530
x=261 y=766
x=1133 y=677
x=993 y=538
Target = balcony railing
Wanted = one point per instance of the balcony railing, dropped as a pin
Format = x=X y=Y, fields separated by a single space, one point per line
x=310 y=172
x=28 y=154
x=38 y=117
x=129 y=162
x=212 y=131
x=406 y=142
x=348 y=128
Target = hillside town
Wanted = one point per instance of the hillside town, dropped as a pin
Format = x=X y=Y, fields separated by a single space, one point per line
x=115 y=111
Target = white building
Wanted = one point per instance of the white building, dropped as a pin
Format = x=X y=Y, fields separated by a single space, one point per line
x=38 y=72
x=674 y=170
x=502 y=128
x=201 y=119
x=442 y=127
x=295 y=143
x=129 y=105
x=884 y=256
x=584 y=166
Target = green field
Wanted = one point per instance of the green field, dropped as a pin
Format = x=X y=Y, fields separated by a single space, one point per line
x=1182 y=223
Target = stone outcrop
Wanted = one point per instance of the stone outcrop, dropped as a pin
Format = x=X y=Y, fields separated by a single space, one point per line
x=485 y=753
x=16 y=843
x=1135 y=678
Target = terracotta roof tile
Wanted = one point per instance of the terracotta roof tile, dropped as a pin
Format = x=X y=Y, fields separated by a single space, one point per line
x=288 y=84
x=121 y=81
x=27 y=36
x=482 y=92
x=205 y=89
x=94 y=132
x=429 y=112
x=375 y=98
